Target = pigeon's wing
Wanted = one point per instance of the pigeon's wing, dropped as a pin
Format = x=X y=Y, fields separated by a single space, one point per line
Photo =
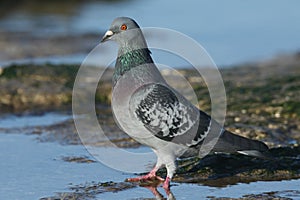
x=168 y=115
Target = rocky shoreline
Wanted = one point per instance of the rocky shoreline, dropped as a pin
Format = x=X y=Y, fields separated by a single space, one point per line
x=263 y=100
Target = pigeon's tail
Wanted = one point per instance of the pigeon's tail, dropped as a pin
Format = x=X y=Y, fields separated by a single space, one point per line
x=231 y=143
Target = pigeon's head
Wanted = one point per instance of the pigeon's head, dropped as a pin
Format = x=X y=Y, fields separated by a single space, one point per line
x=124 y=31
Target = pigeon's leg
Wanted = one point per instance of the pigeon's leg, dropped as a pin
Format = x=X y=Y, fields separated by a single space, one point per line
x=151 y=175
x=171 y=168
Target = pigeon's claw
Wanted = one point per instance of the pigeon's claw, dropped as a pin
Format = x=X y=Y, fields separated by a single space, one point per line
x=145 y=178
x=151 y=176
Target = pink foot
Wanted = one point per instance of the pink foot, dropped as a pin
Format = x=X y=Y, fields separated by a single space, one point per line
x=150 y=176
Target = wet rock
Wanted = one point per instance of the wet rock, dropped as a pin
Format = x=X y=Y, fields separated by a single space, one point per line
x=77 y=159
x=90 y=190
x=41 y=88
x=262 y=100
x=263 y=196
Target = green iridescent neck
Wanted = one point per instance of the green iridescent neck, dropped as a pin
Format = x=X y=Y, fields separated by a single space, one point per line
x=129 y=60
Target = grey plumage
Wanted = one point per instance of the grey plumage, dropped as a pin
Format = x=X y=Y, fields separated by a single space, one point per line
x=155 y=114
x=231 y=143
x=162 y=114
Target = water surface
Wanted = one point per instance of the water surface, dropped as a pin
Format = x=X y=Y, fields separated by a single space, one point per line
x=32 y=170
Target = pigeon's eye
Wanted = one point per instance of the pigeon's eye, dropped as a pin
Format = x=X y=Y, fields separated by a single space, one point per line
x=123 y=27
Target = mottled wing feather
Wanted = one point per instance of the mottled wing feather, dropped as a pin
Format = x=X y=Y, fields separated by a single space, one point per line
x=165 y=116
x=204 y=126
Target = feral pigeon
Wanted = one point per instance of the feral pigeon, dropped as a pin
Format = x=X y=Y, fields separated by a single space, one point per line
x=155 y=114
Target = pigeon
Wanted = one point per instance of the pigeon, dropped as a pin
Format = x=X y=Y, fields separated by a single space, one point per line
x=153 y=113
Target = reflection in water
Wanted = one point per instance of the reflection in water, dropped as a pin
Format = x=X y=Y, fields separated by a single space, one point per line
x=157 y=194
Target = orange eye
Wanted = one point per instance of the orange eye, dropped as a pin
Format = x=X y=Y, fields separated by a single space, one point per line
x=123 y=27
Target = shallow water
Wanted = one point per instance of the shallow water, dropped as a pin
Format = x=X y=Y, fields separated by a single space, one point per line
x=32 y=170
x=13 y=121
x=194 y=191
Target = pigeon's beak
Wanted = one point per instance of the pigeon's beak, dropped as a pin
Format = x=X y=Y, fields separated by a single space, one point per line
x=107 y=35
